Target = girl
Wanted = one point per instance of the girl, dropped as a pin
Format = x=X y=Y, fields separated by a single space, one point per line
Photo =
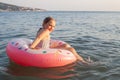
x=42 y=39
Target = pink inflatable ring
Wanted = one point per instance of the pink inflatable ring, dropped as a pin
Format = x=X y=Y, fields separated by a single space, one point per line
x=19 y=52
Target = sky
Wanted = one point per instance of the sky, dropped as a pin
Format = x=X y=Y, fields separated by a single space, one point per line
x=69 y=5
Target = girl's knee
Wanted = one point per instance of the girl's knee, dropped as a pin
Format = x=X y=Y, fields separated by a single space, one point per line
x=71 y=49
x=66 y=45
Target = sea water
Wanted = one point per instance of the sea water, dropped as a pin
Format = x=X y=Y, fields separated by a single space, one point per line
x=94 y=35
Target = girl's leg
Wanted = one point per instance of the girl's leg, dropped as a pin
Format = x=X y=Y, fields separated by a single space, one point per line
x=71 y=49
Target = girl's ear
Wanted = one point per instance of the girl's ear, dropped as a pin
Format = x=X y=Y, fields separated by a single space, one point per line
x=50 y=27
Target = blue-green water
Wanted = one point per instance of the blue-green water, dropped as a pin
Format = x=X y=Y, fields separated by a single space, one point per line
x=94 y=34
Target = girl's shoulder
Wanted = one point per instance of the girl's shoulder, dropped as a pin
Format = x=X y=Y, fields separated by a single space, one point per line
x=40 y=29
x=44 y=31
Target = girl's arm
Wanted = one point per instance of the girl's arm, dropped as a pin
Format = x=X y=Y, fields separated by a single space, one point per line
x=43 y=34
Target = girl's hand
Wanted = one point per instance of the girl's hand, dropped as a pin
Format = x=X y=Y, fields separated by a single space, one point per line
x=30 y=46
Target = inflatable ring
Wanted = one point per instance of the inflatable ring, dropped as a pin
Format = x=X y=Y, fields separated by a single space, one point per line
x=19 y=52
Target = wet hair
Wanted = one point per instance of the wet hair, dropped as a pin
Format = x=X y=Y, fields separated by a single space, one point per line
x=47 y=19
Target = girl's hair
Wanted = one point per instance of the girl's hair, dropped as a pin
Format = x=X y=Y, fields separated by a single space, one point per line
x=47 y=19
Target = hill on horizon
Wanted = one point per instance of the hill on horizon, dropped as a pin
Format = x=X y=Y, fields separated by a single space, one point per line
x=9 y=7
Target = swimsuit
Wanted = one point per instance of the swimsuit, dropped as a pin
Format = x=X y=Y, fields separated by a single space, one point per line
x=45 y=43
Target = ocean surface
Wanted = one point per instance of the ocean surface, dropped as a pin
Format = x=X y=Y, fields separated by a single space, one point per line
x=94 y=35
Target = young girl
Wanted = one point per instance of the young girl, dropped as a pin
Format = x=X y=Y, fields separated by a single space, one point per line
x=42 y=39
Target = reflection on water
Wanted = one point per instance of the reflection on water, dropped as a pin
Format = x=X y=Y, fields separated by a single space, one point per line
x=48 y=73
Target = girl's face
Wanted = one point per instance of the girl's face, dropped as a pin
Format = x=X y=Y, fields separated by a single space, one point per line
x=50 y=25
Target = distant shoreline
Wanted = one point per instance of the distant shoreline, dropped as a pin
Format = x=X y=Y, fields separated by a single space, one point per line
x=69 y=11
x=4 y=7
